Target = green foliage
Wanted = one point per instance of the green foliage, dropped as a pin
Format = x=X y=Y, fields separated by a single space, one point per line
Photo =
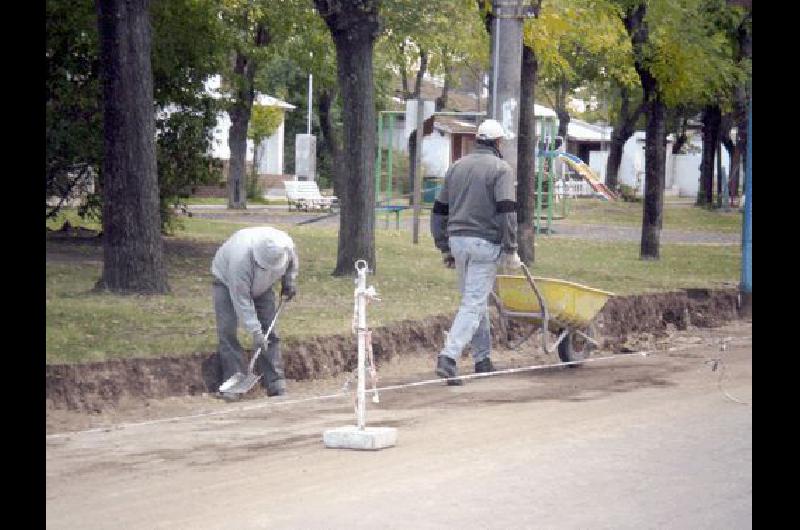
x=628 y=193
x=183 y=137
x=264 y=121
x=579 y=41
x=691 y=52
x=73 y=118
x=186 y=51
x=411 y=27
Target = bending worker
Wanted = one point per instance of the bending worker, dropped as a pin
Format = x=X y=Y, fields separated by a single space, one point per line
x=474 y=224
x=245 y=268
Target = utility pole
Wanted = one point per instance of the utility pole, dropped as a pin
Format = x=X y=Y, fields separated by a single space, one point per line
x=508 y=16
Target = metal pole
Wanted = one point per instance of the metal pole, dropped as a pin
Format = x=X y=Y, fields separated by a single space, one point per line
x=724 y=177
x=378 y=159
x=719 y=174
x=539 y=173
x=746 y=286
x=389 y=166
x=418 y=170
x=310 y=88
x=362 y=340
x=495 y=68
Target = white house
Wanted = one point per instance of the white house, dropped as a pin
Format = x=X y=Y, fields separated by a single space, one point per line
x=449 y=137
x=271 y=151
x=682 y=174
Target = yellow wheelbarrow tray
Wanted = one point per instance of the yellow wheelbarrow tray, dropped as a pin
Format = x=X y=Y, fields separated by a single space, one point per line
x=561 y=306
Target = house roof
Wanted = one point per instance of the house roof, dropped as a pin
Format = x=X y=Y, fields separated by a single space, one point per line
x=454 y=125
x=213 y=84
x=588 y=132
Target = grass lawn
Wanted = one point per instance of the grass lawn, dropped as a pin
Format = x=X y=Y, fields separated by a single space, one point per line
x=222 y=200
x=677 y=216
x=84 y=326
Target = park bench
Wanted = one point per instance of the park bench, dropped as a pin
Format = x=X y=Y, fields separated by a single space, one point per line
x=305 y=195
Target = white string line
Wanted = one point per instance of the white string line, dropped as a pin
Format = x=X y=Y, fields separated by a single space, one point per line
x=274 y=403
x=715 y=362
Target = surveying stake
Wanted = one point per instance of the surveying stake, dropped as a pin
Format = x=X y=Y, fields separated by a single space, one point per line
x=360 y=436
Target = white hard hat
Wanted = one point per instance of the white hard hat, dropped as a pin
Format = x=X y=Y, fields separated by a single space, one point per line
x=491 y=130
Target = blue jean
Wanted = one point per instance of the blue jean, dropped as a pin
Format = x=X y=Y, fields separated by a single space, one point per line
x=476 y=265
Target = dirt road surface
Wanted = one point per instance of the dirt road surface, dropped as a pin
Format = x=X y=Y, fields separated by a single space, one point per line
x=657 y=441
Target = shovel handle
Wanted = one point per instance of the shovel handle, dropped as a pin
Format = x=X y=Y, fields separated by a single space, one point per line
x=266 y=335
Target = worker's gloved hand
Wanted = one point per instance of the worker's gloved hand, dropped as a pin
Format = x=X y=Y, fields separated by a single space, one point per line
x=288 y=291
x=448 y=260
x=509 y=260
x=259 y=340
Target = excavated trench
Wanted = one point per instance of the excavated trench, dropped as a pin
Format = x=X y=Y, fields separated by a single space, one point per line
x=94 y=387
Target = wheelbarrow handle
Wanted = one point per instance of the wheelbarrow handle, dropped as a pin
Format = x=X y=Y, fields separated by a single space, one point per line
x=542 y=304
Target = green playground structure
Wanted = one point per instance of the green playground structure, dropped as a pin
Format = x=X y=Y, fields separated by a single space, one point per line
x=546 y=154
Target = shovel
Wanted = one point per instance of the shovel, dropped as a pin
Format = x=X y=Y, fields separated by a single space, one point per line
x=240 y=383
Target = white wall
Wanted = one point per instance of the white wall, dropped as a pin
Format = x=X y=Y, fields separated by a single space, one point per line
x=436 y=154
x=598 y=161
x=270 y=159
x=682 y=173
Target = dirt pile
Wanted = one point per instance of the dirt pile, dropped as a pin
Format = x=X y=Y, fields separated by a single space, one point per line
x=93 y=387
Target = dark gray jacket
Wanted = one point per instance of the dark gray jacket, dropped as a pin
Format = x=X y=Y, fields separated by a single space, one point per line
x=478 y=199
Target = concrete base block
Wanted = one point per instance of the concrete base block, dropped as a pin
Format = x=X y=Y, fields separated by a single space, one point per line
x=351 y=437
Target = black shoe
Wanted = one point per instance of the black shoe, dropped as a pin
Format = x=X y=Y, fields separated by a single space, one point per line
x=484 y=366
x=446 y=367
x=277 y=388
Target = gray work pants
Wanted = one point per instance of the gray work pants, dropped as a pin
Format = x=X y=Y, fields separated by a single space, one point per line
x=476 y=264
x=231 y=355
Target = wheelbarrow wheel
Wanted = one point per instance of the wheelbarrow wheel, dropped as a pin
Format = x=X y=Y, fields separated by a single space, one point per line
x=575 y=348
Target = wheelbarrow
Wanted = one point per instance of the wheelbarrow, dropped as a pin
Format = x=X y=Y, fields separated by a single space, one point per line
x=565 y=308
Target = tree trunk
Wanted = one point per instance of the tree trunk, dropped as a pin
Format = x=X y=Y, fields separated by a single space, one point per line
x=354 y=25
x=412 y=140
x=133 y=259
x=244 y=73
x=441 y=101
x=488 y=22
x=655 y=151
x=561 y=110
x=330 y=141
x=655 y=173
x=745 y=41
x=739 y=147
x=623 y=130
x=711 y=124
x=525 y=157
x=680 y=134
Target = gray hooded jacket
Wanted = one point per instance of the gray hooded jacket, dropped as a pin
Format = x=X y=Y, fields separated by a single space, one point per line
x=249 y=263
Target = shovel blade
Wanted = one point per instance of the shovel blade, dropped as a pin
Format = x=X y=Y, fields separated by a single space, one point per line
x=241 y=385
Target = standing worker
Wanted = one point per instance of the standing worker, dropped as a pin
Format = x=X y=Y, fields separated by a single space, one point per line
x=245 y=268
x=474 y=224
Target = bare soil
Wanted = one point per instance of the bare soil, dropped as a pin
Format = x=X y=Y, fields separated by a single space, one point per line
x=630 y=442
x=94 y=387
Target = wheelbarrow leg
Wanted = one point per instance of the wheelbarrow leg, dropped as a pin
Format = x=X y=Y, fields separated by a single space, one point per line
x=561 y=337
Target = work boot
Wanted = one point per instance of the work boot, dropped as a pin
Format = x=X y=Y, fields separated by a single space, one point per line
x=229 y=396
x=484 y=366
x=272 y=368
x=276 y=388
x=446 y=367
